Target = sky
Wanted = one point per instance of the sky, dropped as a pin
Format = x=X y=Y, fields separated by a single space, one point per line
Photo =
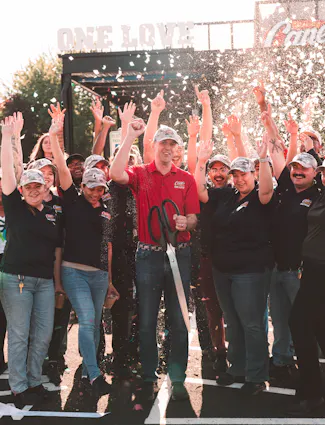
x=34 y=29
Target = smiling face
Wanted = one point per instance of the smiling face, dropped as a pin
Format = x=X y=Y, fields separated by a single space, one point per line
x=243 y=182
x=165 y=151
x=302 y=177
x=49 y=176
x=93 y=195
x=76 y=168
x=218 y=174
x=33 y=194
x=46 y=146
x=178 y=156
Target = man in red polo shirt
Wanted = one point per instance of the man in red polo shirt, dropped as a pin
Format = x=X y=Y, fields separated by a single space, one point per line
x=152 y=183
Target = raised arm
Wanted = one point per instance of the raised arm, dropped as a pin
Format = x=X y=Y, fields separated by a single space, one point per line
x=9 y=182
x=266 y=190
x=97 y=110
x=292 y=128
x=117 y=170
x=232 y=151
x=63 y=170
x=17 y=152
x=204 y=154
x=100 y=142
x=259 y=92
x=235 y=127
x=206 y=127
x=157 y=106
x=126 y=116
x=54 y=112
x=193 y=129
x=275 y=145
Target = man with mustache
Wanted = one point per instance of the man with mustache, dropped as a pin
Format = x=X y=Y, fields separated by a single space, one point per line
x=296 y=193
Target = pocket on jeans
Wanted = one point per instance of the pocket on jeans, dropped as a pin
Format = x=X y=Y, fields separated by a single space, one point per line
x=142 y=254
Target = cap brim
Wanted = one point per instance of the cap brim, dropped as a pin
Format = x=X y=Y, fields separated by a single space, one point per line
x=180 y=143
x=92 y=185
x=31 y=181
x=218 y=160
x=320 y=168
x=240 y=169
x=300 y=163
x=75 y=156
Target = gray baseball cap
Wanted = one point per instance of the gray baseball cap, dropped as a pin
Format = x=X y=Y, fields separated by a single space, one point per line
x=94 y=177
x=220 y=158
x=40 y=163
x=92 y=160
x=165 y=133
x=321 y=167
x=31 y=176
x=305 y=160
x=243 y=164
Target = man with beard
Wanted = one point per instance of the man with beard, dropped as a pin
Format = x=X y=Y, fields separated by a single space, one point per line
x=75 y=164
x=296 y=192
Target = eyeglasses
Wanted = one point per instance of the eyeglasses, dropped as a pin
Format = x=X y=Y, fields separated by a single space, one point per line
x=215 y=170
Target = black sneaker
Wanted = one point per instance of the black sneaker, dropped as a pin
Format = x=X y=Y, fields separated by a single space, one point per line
x=305 y=407
x=41 y=392
x=226 y=379
x=3 y=367
x=100 y=386
x=26 y=398
x=53 y=373
x=179 y=392
x=220 y=365
x=253 y=388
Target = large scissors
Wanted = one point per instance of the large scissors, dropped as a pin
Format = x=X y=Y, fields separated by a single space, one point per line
x=168 y=241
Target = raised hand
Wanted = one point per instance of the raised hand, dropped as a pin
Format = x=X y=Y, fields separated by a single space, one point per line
x=158 y=104
x=205 y=151
x=18 y=122
x=7 y=126
x=203 y=96
x=136 y=128
x=128 y=111
x=259 y=92
x=226 y=130
x=291 y=125
x=193 y=126
x=234 y=125
x=57 y=125
x=55 y=111
x=306 y=141
x=97 y=110
x=261 y=147
x=108 y=121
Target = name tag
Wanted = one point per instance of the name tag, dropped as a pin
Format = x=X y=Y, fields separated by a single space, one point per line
x=243 y=205
x=106 y=197
x=179 y=185
x=50 y=217
x=106 y=215
x=306 y=203
x=57 y=208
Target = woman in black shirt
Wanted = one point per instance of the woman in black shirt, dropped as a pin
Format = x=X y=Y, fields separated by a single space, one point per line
x=86 y=271
x=242 y=259
x=307 y=319
x=27 y=289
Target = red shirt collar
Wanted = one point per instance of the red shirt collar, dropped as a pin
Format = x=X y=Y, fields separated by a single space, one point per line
x=152 y=168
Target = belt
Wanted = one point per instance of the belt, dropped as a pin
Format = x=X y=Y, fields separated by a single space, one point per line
x=148 y=247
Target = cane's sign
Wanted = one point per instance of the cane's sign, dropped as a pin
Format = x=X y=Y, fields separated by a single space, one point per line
x=295 y=33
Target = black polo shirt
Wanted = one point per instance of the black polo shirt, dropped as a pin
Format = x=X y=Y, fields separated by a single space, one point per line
x=88 y=231
x=240 y=231
x=289 y=224
x=313 y=245
x=32 y=237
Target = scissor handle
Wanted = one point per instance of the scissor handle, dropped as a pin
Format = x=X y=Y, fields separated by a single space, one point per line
x=172 y=235
x=162 y=239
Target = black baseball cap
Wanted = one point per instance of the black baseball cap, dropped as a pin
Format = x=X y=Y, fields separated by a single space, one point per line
x=75 y=156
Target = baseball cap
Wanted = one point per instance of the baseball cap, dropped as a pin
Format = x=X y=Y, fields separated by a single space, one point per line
x=220 y=158
x=305 y=160
x=31 y=176
x=92 y=160
x=94 y=177
x=243 y=164
x=164 y=132
x=311 y=131
x=269 y=160
x=75 y=156
x=320 y=167
x=40 y=163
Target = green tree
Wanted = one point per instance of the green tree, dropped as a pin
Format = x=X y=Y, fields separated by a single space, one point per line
x=32 y=91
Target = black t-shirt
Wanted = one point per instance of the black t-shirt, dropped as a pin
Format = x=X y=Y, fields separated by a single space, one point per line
x=289 y=224
x=313 y=246
x=240 y=231
x=88 y=231
x=32 y=237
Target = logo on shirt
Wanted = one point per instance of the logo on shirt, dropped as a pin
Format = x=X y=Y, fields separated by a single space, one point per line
x=179 y=185
x=57 y=208
x=106 y=215
x=243 y=205
x=106 y=197
x=50 y=217
x=306 y=203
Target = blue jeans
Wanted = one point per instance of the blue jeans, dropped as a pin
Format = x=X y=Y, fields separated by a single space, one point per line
x=243 y=299
x=30 y=317
x=86 y=291
x=154 y=275
x=284 y=288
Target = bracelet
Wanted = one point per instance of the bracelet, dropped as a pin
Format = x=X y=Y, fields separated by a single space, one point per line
x=263 y=160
